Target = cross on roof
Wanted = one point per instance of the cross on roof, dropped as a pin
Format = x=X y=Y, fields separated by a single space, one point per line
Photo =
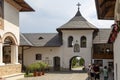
x=78 y=5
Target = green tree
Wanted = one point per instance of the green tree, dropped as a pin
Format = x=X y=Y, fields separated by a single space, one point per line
x=81 y=62
x=74 y=61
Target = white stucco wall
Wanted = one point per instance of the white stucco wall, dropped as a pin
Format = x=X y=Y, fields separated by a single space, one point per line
x=10 y=29
x=117 y=57
x=47 y=52
x=64 y=52
x=11 y=21
x=84 y=52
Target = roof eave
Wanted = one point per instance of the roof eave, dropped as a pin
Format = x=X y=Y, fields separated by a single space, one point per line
x=29 y=10
x=23 y=6
x=105 y=10
x=59 y=29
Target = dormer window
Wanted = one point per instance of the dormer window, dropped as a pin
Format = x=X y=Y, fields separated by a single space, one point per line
x=40 y=38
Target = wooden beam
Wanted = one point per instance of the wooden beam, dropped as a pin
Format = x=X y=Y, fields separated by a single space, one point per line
x=13 y=3
x=106 y=10
x=105 y=1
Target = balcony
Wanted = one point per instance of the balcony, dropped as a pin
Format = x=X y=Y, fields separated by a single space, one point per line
x=103 y=51
x=102 y=56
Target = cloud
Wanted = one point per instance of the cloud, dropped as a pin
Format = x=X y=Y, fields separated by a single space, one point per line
x=54 y=13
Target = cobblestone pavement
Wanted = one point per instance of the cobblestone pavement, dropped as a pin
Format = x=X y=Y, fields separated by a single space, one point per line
x=64 y=76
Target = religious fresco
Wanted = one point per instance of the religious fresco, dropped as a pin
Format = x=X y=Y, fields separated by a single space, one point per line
x=76 y=47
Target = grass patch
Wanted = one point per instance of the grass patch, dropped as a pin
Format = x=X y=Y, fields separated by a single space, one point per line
x=29 y=75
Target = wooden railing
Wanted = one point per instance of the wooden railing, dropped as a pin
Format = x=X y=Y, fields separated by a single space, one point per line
x=102 y=56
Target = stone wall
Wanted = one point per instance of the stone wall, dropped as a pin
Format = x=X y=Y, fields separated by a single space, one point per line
x=10 y=69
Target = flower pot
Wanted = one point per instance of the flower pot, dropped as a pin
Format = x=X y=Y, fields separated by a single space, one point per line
x=35 y=73
x=39 y=73
x=43 y=72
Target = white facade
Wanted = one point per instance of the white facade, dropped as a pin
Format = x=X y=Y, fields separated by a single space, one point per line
x=11 y=28
x=49 y=53
x=116 y=58
x=117 y=42
x=64 y=52
x=9 y=39
x=85 y=53
x=76 y=28
x=11 y=20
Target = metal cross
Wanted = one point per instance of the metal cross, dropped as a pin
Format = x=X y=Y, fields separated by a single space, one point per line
x=78 y=5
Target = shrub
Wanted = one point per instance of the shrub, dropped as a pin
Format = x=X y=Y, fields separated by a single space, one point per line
x=38 y=66
x=43 y=65
x=34 y=67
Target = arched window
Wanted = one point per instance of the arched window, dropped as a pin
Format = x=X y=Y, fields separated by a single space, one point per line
x=83 y=42
x=70 y=40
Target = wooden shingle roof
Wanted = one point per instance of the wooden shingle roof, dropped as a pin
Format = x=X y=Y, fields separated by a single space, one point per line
x=78 y=22
x=54 y=39
x=40 y=39
x=102 y=36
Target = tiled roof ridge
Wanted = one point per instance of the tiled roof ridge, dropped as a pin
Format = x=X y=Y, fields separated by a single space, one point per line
x=26 y=39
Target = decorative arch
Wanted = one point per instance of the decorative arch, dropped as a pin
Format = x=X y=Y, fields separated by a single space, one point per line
x=83 y=42
x=11 y=36
x=70 y=40
x=10 y=48
x=71 y=59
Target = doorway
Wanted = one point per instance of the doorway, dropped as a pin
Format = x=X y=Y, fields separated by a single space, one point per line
x=77 y=63
x=56 y=63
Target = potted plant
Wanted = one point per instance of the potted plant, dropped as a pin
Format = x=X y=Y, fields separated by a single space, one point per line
x=43 y=67
x=34 y=68
x=39 y=70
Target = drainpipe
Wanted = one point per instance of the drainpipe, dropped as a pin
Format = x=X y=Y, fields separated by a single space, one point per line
x=22 y=58
x=92 y=54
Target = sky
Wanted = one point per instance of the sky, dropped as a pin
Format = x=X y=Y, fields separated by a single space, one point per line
x=51 y=14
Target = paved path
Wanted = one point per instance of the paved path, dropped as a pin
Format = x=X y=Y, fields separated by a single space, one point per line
x=64 y=76
x=60 y=76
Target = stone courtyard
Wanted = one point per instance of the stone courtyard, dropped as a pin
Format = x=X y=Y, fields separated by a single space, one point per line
x=65 y=76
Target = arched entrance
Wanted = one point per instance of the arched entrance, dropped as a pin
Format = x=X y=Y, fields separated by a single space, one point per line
x=7 y=50
x=76 y=63
x=56 y=63
x=10 y=48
